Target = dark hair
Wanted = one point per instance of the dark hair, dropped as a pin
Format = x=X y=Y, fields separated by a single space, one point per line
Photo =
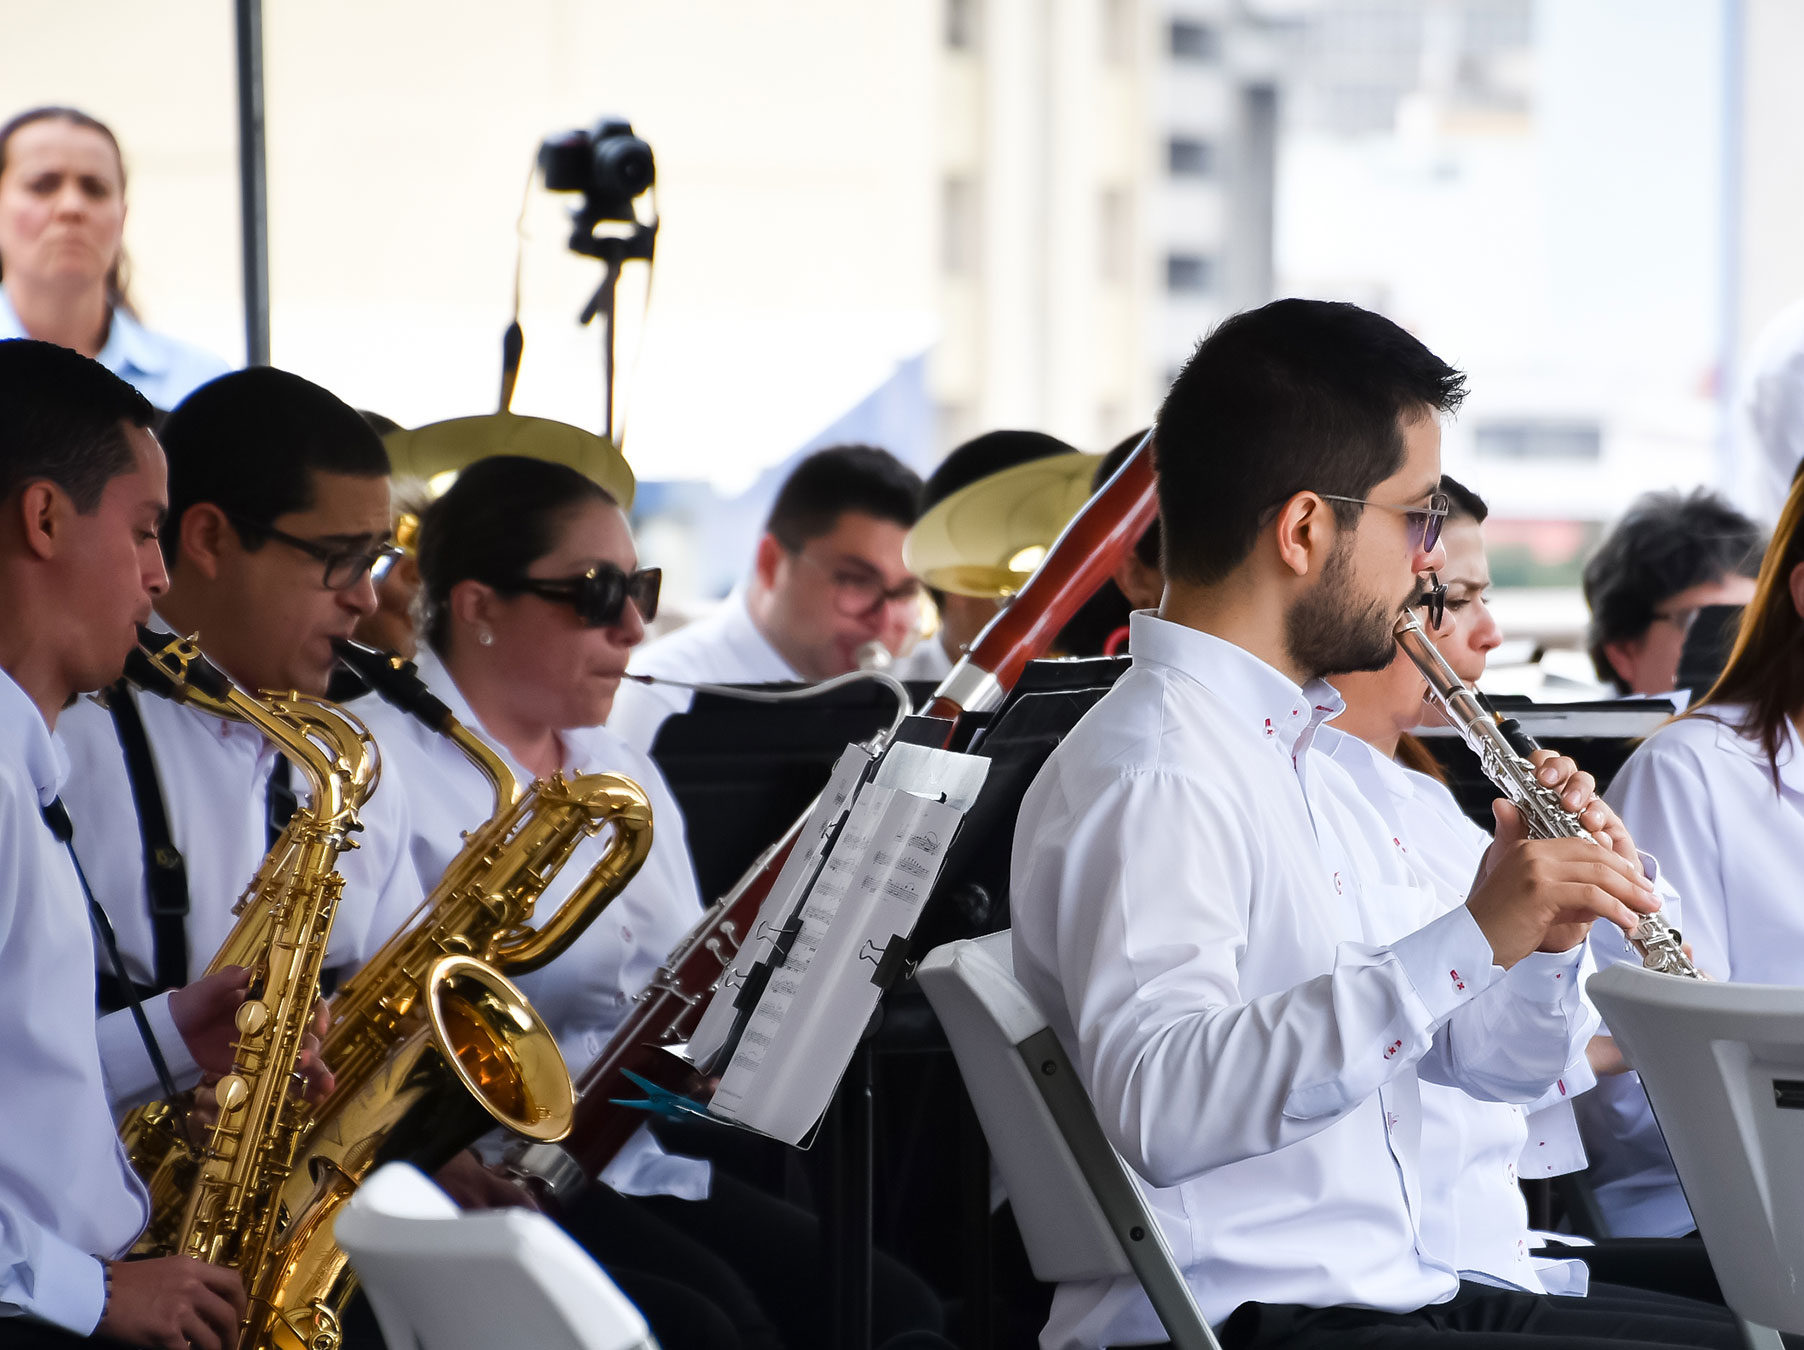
x=250 y=442
x=1466 y=504
x=118 y=277
x=989 y=453
x=1297 y=395
x=63 y=419
x=1666 y=542
x=1147 y=548
x=501 y=516
x=1765 y=670
x=841 y=478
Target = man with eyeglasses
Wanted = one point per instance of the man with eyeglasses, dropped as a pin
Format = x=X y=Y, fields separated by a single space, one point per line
x=1249 y=977
x=1669 y=556
x=278 y=512
x=827 y=582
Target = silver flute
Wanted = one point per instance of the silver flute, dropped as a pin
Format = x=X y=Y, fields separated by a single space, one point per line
x=1514 y=777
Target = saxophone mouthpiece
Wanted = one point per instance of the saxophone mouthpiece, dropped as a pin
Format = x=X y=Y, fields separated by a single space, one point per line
x=396 y=680
x=873 y=655
x=144 y=668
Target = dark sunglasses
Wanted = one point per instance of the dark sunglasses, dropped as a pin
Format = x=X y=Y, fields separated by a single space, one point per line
x=599 y=595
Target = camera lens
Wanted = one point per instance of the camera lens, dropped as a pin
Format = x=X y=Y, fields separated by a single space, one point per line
x=623 y=166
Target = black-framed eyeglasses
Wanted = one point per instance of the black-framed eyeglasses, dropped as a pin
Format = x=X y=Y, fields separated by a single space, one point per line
x=858 y=594
x=599 y=595
x=1423 y=522
x=344 y=567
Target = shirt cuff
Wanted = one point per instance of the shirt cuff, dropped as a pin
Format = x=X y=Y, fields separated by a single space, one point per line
x=1548 y=978
x=1448 y=963
x=68 y=1287
x=130 y=1077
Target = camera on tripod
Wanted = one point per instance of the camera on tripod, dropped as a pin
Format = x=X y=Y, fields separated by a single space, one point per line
x=609 y=165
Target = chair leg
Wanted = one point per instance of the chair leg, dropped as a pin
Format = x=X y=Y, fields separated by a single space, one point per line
x=1757 y=1337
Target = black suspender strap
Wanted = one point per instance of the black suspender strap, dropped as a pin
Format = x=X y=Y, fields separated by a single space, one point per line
x=165 y=872
x=56 y=817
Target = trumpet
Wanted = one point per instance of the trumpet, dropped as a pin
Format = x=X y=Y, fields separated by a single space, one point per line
x=1656 y=941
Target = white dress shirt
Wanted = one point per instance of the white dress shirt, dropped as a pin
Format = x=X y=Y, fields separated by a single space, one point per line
x=724 y=647
x=1202 y=912
x=1473 y=1151
x=68 y=1197
x=214 y=776
x=1702 y=796
x=163 y=369
x=587 y=991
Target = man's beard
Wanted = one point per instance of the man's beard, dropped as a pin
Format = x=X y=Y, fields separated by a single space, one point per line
x=1333 y=630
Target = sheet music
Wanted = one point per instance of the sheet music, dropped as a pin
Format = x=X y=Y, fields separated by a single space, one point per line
x=878 y=873
x=713 y=1033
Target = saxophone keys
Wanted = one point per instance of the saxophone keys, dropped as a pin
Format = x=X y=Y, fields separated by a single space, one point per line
x=233 y=1092
x=252 y=1017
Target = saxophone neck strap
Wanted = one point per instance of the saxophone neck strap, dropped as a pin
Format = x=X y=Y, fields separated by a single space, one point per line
x=56 y=817
x=165 y=870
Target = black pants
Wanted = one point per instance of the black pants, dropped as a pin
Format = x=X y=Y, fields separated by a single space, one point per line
x=1670 y=1265
x=1480 y=1318
x=25 y=1333
x=753 y=1257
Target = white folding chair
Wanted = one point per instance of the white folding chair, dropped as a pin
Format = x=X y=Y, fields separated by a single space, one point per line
x=1081 y=1215
x=1723 y=1065
x=441 y=1279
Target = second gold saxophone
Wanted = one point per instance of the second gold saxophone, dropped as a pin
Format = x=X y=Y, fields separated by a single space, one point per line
x=430 y=1043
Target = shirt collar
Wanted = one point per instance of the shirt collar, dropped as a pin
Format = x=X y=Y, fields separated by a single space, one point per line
x=128 y=346
x=1271 y=704
x=24 y=738
x=127 y=343
x=742 y=632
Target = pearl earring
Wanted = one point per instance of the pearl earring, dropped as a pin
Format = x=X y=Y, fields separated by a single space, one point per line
x=486 y=638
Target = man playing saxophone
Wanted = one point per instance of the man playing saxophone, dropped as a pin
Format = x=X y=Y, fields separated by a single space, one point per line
x=278 y=511
x=82 y=494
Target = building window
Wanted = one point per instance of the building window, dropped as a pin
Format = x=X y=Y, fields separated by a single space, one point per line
x=1114 y=235
x=1189 y=273
x=961 y=24
x=1188 y=157
x=1192 y=41
x=1533 y=438
x=958 y=226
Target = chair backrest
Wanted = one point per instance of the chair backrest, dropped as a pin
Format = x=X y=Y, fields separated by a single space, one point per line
x=440 y=1279
x=1081 y=1214
x=1723 y=1065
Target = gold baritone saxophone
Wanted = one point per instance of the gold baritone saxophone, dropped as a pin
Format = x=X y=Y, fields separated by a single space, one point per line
x=1656 y=941
x=231 y=1213
x=431 y=1046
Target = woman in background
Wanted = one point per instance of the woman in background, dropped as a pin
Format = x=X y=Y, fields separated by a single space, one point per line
x=1717 y=795
x=62 y=254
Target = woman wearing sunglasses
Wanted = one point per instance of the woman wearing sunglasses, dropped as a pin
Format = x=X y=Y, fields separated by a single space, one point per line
x=532 y=599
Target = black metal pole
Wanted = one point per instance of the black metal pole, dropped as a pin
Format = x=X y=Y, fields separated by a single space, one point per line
x=253 y=182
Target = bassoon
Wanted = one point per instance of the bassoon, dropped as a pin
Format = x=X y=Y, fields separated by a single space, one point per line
x=1085 y=554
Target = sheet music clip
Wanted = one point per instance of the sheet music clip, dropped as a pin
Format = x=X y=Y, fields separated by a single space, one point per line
x=660 y=1101
x=889 y=961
